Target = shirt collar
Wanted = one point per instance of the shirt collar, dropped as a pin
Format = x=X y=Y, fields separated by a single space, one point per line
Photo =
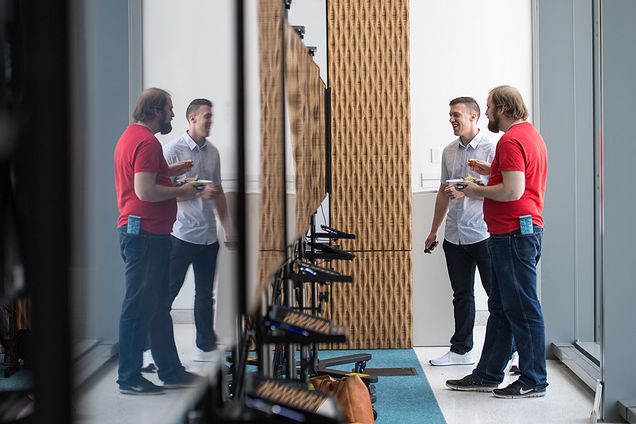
x=193 y=144
x=473 y=143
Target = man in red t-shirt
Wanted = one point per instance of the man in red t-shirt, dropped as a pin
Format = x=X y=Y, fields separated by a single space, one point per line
x=513 y=204
x=147 y=205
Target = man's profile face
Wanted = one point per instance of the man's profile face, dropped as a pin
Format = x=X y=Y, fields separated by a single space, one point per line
x=166 y=116
x=202 y=120
x=462 y=119
x=493 y=116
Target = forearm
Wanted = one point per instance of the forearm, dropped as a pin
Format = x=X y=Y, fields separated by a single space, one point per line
x=441 y=208
x=157 y=193
x=221 y=211
x=498 y=192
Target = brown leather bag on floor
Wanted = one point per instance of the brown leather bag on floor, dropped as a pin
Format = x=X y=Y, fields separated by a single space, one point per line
x=352 y=395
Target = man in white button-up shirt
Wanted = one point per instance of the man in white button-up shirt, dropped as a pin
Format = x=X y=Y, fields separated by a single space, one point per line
x=194 y=235
x=465 y=240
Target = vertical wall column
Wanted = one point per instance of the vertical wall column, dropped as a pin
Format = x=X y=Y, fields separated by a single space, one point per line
x=371 y=181
x=618 y=57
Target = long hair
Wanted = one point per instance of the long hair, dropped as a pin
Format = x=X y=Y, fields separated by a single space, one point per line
x=509 y=99
x=149 y=101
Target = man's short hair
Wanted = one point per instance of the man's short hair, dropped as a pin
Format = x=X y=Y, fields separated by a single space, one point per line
x=469 y=102
x=509 y=99
x=150 y=100
x=195 y=105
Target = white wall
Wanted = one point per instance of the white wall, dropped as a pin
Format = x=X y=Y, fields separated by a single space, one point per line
x=458 y=48
x=461 y=48
x=188 y=50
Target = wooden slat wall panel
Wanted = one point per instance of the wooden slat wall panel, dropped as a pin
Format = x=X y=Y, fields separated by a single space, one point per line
x=305 y=93
x=272 y=180
x=371 y=187
x=376 y=308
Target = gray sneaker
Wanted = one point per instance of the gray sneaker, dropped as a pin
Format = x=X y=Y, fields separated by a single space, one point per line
x=518 y=390
x=470 y=383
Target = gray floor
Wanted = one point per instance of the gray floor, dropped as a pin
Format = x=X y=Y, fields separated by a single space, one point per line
x=567 y=401
x=99 y=401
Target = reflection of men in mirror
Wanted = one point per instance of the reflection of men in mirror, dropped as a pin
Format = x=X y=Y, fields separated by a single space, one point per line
x=513 y=207
x=466 y=237
x=147 y=207
x=194 y=235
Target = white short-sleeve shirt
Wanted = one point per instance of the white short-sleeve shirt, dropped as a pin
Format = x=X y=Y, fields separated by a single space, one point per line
x=465 y=220
x=195 y=217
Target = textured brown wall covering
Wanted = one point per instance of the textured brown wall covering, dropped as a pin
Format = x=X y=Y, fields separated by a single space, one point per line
x=305 y=93
x=272 y=214
x=369 y=78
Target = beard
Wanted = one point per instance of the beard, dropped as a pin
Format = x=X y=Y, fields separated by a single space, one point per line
x=166 y=125
x=493 y=124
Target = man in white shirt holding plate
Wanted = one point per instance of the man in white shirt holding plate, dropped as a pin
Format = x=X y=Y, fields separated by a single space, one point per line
x=194 y=234
x=465 y=239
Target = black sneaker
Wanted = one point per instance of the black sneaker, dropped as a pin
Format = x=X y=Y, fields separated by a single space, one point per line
x=470 y=383
x=518 y=390
x=143 y=387
x=183 y=379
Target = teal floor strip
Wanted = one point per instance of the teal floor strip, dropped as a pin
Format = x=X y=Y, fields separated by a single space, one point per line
x=400 y=399
x=20 y=380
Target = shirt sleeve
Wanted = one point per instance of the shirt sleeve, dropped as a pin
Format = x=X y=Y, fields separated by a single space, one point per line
x=148 y=157
x=169 y=152
x=444 y=172
x=511 y=156
x=491 y=152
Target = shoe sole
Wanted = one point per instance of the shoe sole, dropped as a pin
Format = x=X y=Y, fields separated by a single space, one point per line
x=182 y=385
x=528 y=395
x=483 y=389
x=135 y=393
x=451 y=364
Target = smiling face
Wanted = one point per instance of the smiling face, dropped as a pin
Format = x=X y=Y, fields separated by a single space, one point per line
x=463 y=120
x=200 y=122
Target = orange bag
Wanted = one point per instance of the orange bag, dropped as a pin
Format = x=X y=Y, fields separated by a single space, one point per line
x=352 y=395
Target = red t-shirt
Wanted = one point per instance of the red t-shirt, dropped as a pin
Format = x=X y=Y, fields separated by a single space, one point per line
x=138 y=150
x=521 y=148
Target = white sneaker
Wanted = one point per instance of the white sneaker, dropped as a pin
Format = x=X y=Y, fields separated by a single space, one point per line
x=514 y=363
x=452 y=358
x=148 y=362
x=203 y=356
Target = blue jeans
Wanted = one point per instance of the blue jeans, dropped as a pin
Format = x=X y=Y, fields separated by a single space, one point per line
x=461 y=262
x=203 y=260
x=146 y=307
x=515 y=311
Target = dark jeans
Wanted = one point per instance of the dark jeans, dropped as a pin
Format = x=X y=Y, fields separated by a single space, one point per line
x=203 y=260
x=461 y=261
x=146 y=307
x=515 y=310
